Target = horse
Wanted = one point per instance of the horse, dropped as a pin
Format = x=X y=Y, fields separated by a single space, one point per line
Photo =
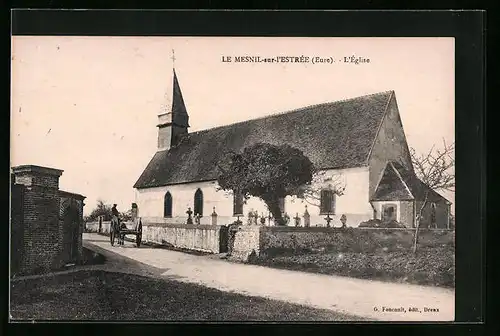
x=117 y=225
x=121 y=236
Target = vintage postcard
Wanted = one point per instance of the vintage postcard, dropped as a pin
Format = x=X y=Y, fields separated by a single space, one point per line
x=176 y=178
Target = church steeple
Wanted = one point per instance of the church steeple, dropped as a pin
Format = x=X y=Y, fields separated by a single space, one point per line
x=173 y=119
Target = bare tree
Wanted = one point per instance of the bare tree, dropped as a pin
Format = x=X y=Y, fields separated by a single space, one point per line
x=436 y=169
x=311 y=193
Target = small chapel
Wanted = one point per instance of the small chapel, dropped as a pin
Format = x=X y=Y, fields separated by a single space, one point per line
x=359 y=143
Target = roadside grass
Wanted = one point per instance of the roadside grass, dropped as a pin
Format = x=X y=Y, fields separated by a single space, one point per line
x=100 y=295
x=430 y=266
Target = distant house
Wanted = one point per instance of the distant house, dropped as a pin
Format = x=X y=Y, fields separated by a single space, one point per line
x=46 y=223
x=361 y=140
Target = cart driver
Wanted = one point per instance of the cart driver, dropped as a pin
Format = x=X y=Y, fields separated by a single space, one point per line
x=116 y=214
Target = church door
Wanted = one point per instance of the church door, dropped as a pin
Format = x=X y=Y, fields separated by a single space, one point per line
x=389 y=212
x=198 y=202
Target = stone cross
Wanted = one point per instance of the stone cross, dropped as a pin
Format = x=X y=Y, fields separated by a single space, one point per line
x=262 y=219
x=297 y=219
x=307 y=218
x=250 y=217
x=343 y=219
x=189 y=213
x=286 y=218
x=328 y=220
x=255 y=217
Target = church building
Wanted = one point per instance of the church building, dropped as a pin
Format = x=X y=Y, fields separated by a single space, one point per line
x=358 y=145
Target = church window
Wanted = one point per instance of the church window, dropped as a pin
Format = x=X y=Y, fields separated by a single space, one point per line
x=198 y=202
x=167 y=205
x=237 y=204
x=433 y=215
x=327 y=202
x=282 y=204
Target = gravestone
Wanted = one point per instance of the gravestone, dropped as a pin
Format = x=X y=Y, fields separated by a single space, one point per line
x=297 y=220
x=214 y=217
x=307 y=218
x=189 y=212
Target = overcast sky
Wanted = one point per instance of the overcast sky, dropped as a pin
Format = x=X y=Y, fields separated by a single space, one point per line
x=89 y=105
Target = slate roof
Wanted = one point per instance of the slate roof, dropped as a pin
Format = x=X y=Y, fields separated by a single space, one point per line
x=400 y=184
x=333 y=135
x=71 y=195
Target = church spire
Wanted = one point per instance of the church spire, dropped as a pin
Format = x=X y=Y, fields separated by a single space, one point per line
x=173 y=119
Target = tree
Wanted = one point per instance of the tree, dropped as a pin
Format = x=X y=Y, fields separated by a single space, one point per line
x=266 y=171
x=436 y=169
x=126 y=216
x=101 y=209
x=311 y=193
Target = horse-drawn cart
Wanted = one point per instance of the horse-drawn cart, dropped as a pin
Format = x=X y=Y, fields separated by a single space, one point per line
x=119 y=231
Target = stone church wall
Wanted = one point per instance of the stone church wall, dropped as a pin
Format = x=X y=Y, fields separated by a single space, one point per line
x=354 y=203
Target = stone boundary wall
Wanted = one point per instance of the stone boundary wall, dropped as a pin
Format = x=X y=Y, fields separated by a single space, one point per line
x=266 y=241
x=246 y=242
x=204 y=238
x=349 y=239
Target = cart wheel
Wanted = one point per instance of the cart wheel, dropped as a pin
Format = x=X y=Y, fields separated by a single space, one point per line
x=112 y=237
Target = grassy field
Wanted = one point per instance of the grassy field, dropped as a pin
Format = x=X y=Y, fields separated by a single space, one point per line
x=433 y=267
x=99 y=295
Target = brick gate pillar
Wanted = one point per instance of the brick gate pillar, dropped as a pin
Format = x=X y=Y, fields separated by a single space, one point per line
x=42 y=227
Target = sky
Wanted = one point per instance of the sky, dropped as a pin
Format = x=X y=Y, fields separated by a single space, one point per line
x=89 y=105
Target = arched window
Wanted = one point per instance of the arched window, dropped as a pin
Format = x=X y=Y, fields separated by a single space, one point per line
x=167 y=205
x=433 y=215
x=327 y=202
x=238 y=204
x=281 y=204
x=198 y=203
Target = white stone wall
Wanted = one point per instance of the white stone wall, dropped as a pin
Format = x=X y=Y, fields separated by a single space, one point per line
x=354 y=203
x=198 y=238
x=150 y=203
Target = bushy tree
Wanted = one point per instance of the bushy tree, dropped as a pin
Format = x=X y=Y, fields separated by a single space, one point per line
x=126 y=216
x=266 y=171
x=101 y=209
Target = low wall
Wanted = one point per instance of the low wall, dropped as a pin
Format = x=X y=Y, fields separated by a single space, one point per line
x=267 y=241
x=205 y=238
x=351 y=239
x=94 y=227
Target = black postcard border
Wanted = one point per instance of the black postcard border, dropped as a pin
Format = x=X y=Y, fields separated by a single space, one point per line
x=467 y=27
